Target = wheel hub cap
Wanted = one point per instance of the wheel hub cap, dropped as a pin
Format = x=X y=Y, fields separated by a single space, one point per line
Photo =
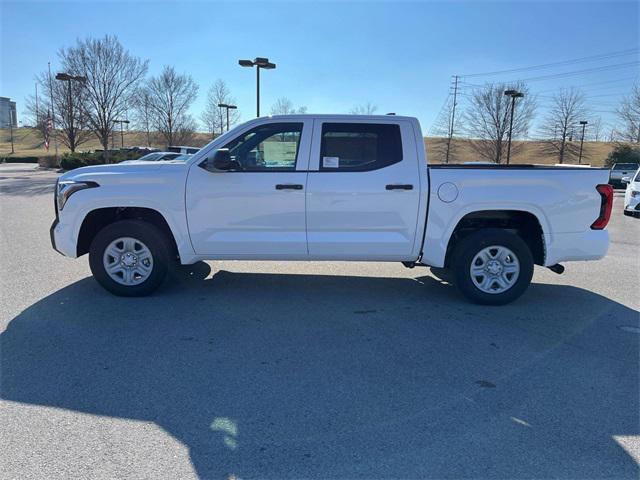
x=494 y=269
x=128 y=261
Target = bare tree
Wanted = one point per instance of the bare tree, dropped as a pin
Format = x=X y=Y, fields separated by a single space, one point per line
x=284 y=106
x=567 y=110
x=487 y=120
x=112 y=77
x=444 y=149
x=170 y=96
x=596 y=128
x=142 y=113
x=364 y=109
x=215 y=117
x=629 y=116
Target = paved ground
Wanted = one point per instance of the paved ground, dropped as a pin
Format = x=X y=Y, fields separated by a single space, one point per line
x=310 y=370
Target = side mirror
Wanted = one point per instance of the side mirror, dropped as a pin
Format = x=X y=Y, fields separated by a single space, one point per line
x=221 y=161
x=626 y=179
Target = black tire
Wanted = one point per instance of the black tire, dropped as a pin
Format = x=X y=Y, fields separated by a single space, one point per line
x=471 y=245
x=155 y=240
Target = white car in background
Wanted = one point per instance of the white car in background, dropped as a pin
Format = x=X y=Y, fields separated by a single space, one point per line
x=632 y=195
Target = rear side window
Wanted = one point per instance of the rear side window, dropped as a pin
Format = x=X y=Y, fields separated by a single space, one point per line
x=358 y=147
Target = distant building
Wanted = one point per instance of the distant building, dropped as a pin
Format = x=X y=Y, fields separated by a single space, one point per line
x=8 y=113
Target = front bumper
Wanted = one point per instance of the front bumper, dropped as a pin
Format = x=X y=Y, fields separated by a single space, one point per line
x=633 y=205
x=62 y=239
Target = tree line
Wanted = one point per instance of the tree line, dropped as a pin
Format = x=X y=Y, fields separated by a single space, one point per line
x=109 y=85
x=486 y=123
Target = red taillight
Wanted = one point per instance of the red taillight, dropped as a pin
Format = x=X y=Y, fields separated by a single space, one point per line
x=606 y=193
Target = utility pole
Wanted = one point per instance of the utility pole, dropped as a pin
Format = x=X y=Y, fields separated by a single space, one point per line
x=453 y=117
x=53 y=113
x=584 y=125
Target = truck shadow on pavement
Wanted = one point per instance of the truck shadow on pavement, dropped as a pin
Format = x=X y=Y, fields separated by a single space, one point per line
x=281 y=376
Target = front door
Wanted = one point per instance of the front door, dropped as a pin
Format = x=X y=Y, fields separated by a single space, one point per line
x=257 y=210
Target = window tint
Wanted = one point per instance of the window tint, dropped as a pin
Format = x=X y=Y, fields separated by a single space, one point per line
x=271 y=147
x=358 y=147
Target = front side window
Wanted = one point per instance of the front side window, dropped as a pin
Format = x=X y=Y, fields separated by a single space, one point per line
x=358 y=147
x=270 y=147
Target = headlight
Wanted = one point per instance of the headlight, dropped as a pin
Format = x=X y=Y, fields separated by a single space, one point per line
x=635 y=193
x=66 y=188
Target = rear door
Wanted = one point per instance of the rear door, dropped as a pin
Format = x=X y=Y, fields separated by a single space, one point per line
x=363 y=190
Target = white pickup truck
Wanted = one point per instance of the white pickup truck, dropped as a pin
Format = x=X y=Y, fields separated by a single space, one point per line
x=331 y=187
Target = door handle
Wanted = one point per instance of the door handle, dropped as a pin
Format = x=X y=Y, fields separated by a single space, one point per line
x=399 y=187
x=288 y=186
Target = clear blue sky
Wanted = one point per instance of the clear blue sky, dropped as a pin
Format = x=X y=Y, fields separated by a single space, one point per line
x=332 y=56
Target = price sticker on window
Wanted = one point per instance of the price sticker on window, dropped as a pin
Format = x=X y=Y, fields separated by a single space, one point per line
x=331 y=162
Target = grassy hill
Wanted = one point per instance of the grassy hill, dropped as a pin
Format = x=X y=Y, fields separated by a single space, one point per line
x=28 y=142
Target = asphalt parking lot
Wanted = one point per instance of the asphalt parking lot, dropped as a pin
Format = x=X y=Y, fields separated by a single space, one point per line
x=317 y=370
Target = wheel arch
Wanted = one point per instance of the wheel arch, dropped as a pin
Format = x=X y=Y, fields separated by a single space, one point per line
x=523 y=222
x=95 y=220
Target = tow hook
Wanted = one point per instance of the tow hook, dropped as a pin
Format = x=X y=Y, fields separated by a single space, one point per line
x=557 y=268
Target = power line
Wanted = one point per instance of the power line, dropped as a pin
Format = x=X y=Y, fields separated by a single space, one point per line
x=577 y=72
x=603 y=56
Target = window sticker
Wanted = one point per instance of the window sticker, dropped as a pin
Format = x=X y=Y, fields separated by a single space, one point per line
x=331 y=162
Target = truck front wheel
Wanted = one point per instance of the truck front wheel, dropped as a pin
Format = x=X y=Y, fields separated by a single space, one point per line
x=492 y=266
x=129 y=258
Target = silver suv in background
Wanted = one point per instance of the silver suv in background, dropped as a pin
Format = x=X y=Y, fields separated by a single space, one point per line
x=619 y=171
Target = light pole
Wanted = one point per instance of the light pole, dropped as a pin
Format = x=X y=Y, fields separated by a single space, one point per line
x=258 y=62
x=584 y=125
x=66 y=77
x=513 y=94
x=11 y=119
x=121 y=131
x=227 y=107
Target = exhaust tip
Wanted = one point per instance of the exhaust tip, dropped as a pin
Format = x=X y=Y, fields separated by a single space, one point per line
x=557 y=268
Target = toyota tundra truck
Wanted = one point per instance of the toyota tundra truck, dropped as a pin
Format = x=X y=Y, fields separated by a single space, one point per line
x=334 y=188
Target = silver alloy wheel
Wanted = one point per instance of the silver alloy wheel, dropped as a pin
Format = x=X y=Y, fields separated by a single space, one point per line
x=495 y=269
x=128 y=261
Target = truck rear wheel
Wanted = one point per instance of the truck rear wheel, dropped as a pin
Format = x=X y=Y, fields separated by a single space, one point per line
x=129 y=258
x=492 y=266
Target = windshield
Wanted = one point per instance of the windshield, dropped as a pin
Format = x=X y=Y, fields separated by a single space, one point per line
x=150 y=157
x=637 y=179
x=183 y=157
x=625 y=166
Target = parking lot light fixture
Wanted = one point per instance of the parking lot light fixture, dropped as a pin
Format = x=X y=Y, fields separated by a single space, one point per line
x=227 y=107
x=513 y=94
x=584 y=125
x=121 y=122
x=65 y=77
x=258 y=62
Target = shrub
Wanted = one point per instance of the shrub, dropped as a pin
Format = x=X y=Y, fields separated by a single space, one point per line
x=623 y=153
x=14 y=159
x=49 y=161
